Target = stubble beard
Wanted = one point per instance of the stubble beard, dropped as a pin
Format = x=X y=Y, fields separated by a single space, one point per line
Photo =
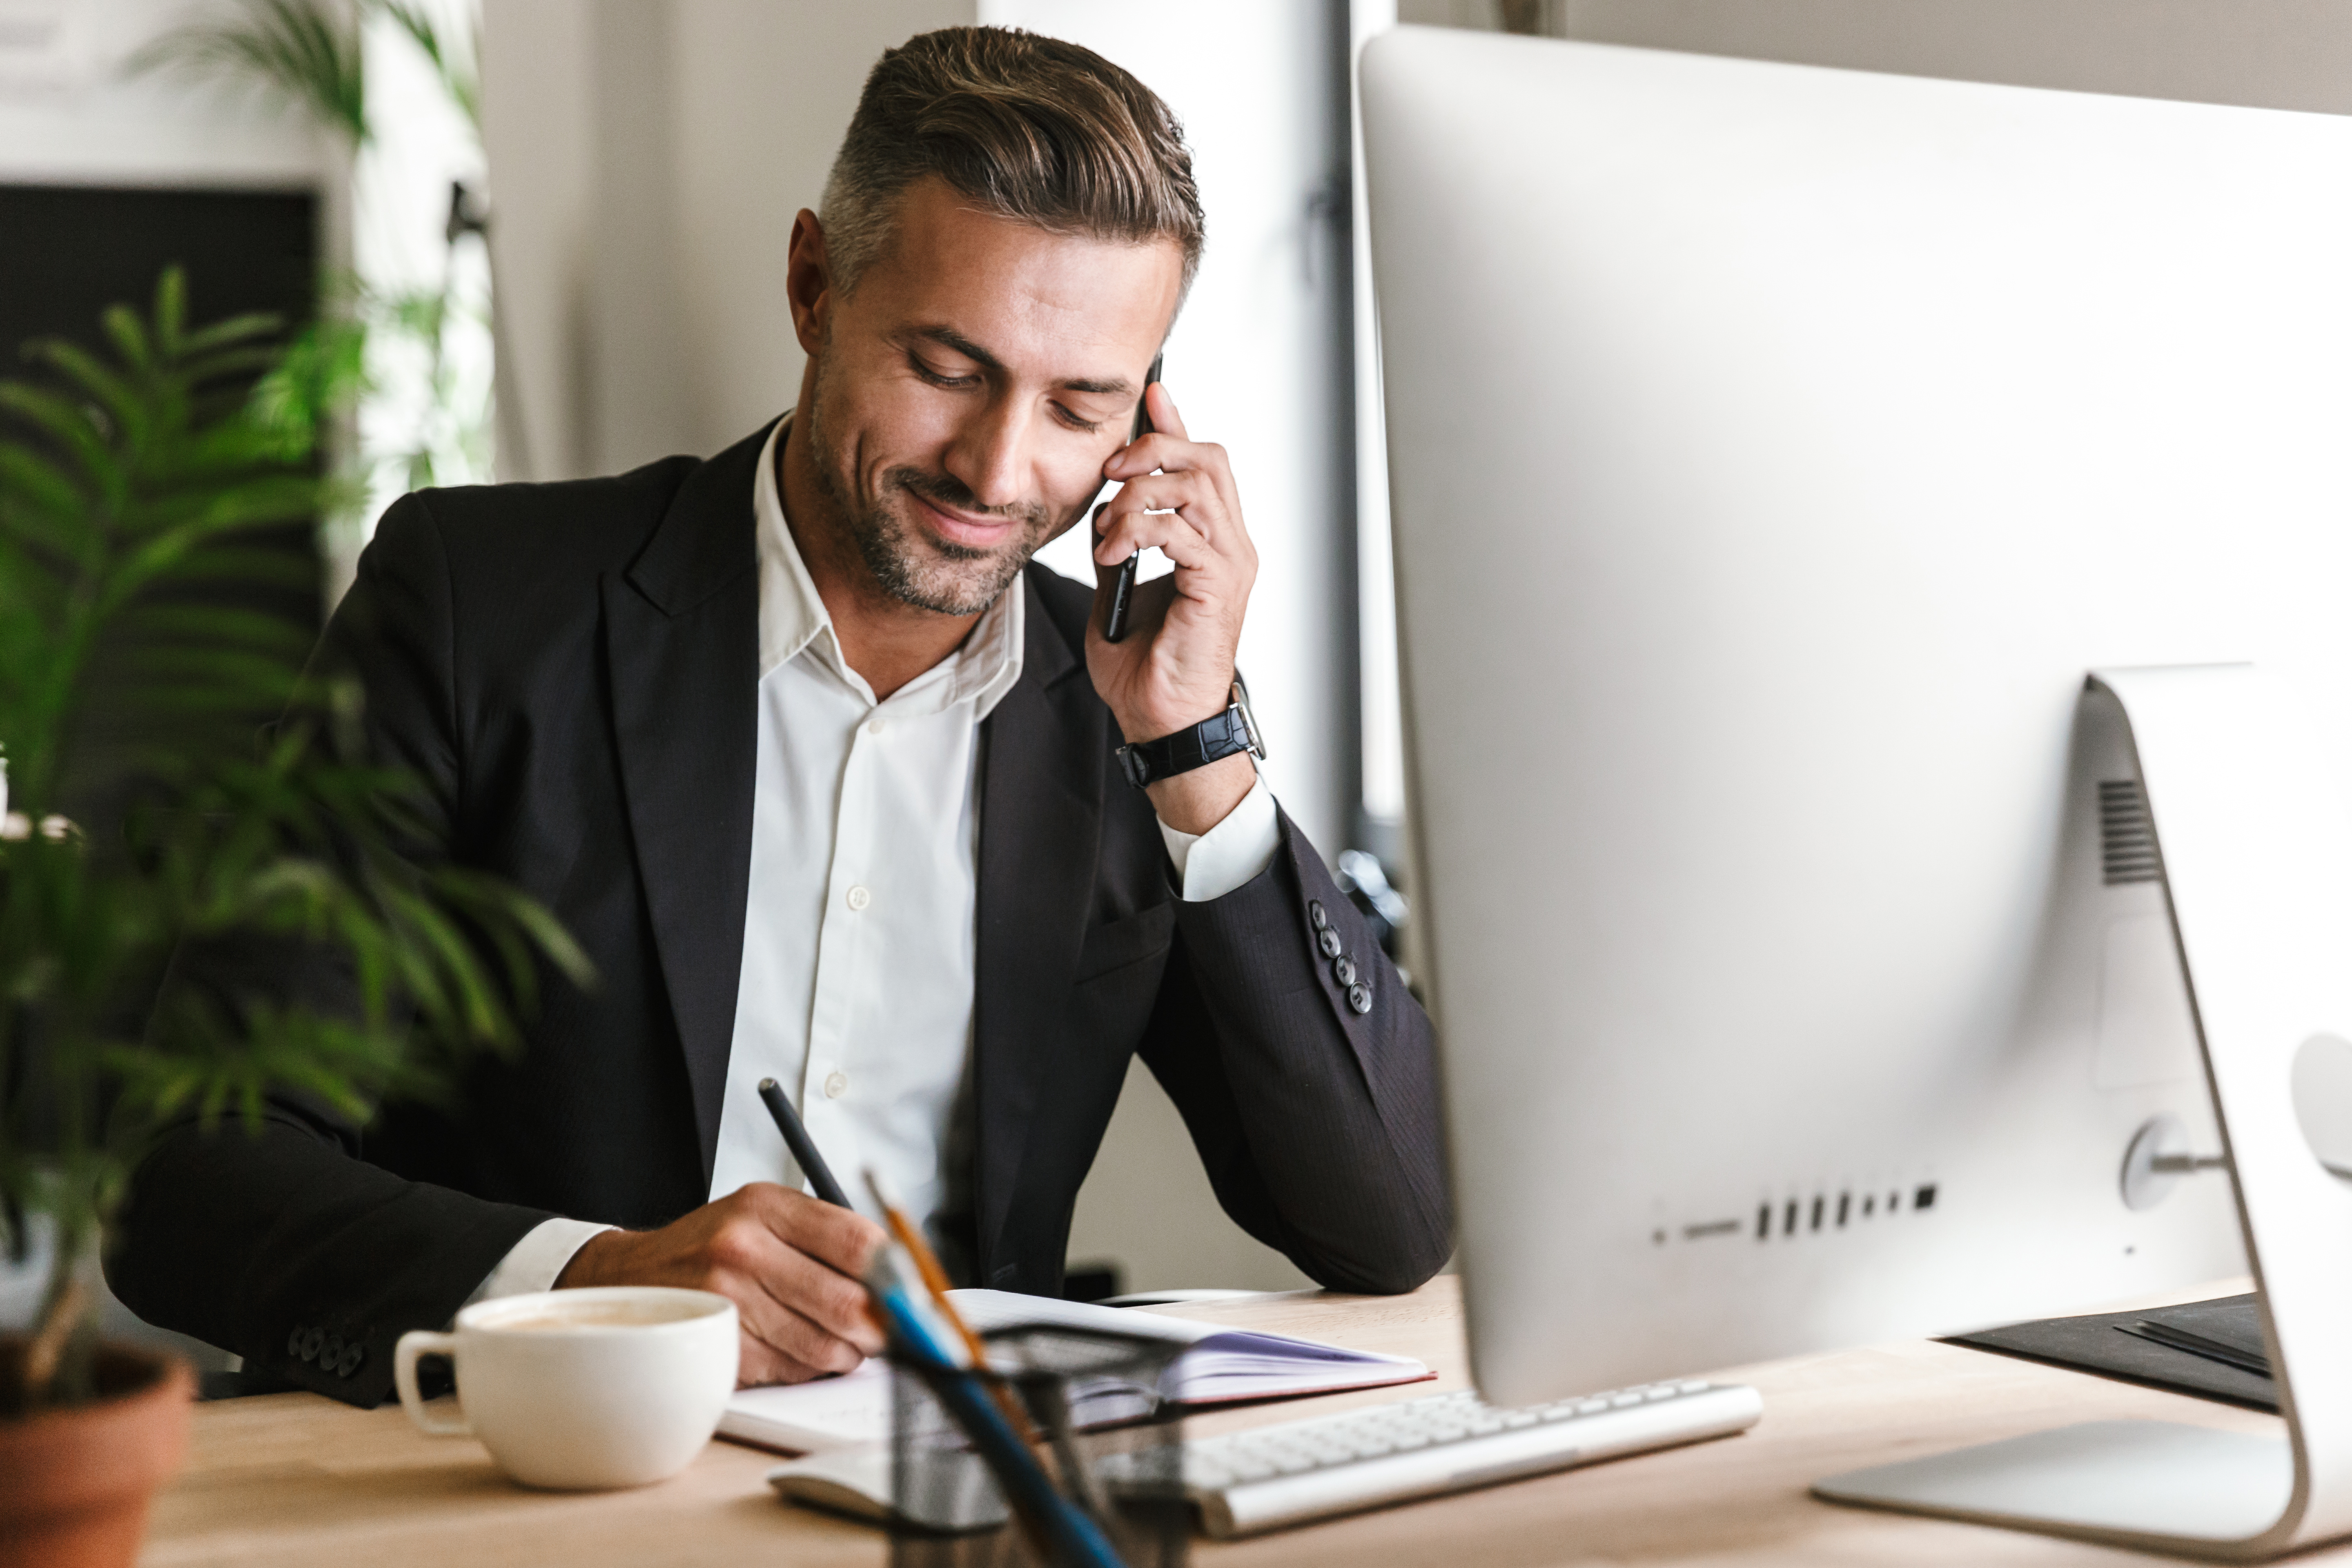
x=935 y=574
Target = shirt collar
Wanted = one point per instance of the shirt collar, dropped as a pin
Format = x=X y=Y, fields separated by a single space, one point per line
x=792 y=617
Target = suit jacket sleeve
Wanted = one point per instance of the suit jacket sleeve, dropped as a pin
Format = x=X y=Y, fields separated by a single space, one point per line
x=1317 y=1123
x=283 y=1243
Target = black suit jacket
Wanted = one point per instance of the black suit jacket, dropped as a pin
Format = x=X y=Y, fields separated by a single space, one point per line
x=572 y=670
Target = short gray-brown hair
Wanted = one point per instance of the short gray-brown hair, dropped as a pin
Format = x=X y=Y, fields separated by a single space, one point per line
x=1028 y=128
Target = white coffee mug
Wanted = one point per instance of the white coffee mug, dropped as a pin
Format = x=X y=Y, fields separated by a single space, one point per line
x=614 y=1386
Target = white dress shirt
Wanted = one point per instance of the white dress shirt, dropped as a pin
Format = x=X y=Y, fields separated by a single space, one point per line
x=859 y=937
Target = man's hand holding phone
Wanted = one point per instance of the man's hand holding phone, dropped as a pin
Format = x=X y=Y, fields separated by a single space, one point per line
x=1175 y=667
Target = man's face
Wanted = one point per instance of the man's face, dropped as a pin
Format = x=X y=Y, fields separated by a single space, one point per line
x=968 y=393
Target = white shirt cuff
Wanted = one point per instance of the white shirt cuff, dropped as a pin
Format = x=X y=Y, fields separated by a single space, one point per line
x=532 y=1264
x=1211 y=865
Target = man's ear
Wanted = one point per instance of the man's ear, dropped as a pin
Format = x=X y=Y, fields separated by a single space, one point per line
x=808 y=281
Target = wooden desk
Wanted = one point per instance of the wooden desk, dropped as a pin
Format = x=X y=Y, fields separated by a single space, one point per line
x=294 y=1478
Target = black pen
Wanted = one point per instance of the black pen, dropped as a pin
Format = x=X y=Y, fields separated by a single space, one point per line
x=796 y=1138
x=1122 y=587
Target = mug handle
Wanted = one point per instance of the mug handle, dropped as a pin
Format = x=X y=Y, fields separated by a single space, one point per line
x=414 y=1344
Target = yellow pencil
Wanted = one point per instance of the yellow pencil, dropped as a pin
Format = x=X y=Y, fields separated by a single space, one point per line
x=935 y=1281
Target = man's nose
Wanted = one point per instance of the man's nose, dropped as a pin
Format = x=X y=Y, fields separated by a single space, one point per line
x=989 y=453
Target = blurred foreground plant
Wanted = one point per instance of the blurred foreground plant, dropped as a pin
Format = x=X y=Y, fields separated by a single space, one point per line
x=131 y=675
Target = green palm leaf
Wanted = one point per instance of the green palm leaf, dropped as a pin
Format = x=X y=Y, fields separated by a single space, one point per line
x=131 y=490
x=305 y=53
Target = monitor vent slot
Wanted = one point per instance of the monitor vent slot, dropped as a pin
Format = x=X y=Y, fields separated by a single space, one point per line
x=2127 y=835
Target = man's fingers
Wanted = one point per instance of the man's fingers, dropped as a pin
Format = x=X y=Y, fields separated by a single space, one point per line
x=840 y=1238
x=806 y=1345
x=794 y=1304
x=829 y=1301
x=1188 y=493
x=1161 y=405
x=765 y=1304
x=758 y=1364
x=1166 y=452
x=1124 y=533
x=801 y=1261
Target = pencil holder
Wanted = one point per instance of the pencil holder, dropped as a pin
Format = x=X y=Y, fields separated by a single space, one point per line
x=1089 y=1406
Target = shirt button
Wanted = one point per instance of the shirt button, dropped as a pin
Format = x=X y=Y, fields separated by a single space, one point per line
x=859 y=898
x=836 y=1084
x=876 y=726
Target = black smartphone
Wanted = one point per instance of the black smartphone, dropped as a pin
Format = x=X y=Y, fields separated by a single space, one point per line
x=1122 y=588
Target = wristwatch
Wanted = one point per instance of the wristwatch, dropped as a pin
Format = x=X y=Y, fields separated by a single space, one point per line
x=1210 y=740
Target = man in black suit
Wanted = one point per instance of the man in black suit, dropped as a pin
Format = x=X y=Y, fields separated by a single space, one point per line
x=829 y=782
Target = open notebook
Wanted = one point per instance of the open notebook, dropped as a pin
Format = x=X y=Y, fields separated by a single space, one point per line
x=1217 y=1366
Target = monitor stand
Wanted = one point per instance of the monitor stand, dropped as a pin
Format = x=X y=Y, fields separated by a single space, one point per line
x=2257 y=859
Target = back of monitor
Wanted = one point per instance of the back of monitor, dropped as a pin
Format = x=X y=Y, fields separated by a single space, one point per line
x=1773 y=451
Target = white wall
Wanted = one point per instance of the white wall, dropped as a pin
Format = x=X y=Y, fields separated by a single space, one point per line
x=2266 y=54
x=2274 y=53
x=68 y=117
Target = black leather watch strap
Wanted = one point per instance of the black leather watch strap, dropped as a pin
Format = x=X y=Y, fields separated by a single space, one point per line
x=1212 y=739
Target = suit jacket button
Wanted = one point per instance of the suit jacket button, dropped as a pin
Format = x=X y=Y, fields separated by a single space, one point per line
x=312 y=1338
x=1330 y=942
x=330 y=1351
x=349 y=1361
x=1343 y=970
x=1315 y=915
x=1360 y=997
x=294 y=1341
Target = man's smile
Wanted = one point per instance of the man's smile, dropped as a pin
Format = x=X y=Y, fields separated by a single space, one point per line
x=972 y=531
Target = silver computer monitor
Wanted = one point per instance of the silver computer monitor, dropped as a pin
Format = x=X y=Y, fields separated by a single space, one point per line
x=1773 y=451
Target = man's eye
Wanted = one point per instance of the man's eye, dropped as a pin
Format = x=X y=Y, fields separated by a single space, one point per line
x=937 y=377
x=1070 y=417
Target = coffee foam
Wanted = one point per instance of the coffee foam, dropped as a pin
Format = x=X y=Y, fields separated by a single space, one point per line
x=548 y=1319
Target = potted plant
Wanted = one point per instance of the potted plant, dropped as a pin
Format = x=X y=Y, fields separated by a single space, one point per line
x=137 y=646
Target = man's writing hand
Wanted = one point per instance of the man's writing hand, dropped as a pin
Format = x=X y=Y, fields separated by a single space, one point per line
x=1175 y=667
x=790 y=1263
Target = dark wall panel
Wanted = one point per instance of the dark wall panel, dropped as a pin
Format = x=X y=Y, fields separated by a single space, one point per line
x=68 y=252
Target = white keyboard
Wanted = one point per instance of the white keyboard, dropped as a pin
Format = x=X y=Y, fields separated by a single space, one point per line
x=1270 y=1477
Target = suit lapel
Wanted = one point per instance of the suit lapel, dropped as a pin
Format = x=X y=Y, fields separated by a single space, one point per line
x=1041 y=763
x=682 y=649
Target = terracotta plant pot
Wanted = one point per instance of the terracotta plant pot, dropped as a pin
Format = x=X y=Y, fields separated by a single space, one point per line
x=75 y=1483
